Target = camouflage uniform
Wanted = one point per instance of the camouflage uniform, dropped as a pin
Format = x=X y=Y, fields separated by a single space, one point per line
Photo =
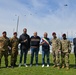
x=65 y=50
x=55 y=51
x=14 y=45
x=4 y=43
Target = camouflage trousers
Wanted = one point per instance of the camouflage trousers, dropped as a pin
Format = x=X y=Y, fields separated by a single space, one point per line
x=5 y=54
x=56 y=58
x=14 y=57
x=65 y=59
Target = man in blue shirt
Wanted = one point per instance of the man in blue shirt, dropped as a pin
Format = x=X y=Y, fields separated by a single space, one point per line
x=45 y=49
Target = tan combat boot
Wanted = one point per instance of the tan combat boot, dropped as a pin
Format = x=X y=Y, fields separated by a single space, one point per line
x=54 y=66
x=58 y=67
x=63 y=67
x=67 y=68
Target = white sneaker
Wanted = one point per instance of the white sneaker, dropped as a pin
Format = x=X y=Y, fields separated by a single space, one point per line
x=25 y=65
x=47 y=65
x=43 y=65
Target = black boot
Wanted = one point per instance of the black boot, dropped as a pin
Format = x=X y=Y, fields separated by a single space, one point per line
x=6 y=66
x=15 y=65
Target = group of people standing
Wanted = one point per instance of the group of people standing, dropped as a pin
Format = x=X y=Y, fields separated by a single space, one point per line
x=33 y=43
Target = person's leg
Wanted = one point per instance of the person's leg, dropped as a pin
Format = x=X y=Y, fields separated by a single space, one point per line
x=67 y=60
x=57 y=59
x=75 y=59
x=25 y=56
x=63 y=59
x=15 y=60
x=36 y=55
x=12 y=58
x=21 y=55
x=75 y=56
x=1 y=54
x=0 y=58
x=47 y=55
x=32 y=56
x=43 y=58
x=54 y=59
x=6 y=58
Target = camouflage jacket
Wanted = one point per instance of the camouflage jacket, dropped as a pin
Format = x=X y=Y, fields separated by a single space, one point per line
x=4 y=43
x=56 y=45
x=14 y=43
x=65 y=46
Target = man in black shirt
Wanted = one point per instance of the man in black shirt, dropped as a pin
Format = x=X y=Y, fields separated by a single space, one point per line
x=34 y=43
x=24 y=40
x=74 y=43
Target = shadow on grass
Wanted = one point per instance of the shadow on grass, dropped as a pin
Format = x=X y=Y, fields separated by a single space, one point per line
x=40 y=64
x=72 y=66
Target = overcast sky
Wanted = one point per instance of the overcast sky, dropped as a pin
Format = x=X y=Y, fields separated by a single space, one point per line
x=38 y=15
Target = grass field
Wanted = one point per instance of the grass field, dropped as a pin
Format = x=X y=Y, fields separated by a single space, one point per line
x=37 y=70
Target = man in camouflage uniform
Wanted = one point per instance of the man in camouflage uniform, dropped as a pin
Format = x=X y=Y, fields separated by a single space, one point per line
x=55 y=50
x=4 y=43
x=65 y=50
x=14 y=45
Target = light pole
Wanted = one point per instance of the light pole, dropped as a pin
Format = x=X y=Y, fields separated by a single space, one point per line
x=17 y=24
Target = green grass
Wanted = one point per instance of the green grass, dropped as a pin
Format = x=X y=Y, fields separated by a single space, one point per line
x=38 y=70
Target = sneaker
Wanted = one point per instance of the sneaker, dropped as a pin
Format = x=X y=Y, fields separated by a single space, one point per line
x=19 y=65
x=36 y=65
x=25 y=65
x=63 y=67
x=43 y=65
x=6 y=66
x=30 y=65
x=67 y=68
x=12 y=66
x=47 y=65
x=58 y=67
